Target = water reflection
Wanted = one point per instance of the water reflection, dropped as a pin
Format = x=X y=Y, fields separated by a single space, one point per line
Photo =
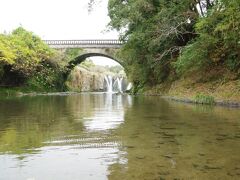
x=168 y=140
x=102 y=136
x=108 y=115
x=66 y=134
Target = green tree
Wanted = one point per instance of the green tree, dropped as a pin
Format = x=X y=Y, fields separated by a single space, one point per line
x=163 y=36
x=29 y=49
x=24 y=58
x=218 y=42
x=7 y=54
x=154 y=31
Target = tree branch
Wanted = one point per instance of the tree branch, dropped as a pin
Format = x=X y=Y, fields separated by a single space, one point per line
x=167 y=52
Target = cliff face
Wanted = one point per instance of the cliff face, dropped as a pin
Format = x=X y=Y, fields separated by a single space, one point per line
x=83 y=80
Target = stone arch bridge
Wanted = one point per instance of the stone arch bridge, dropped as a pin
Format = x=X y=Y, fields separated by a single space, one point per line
x=106 y=48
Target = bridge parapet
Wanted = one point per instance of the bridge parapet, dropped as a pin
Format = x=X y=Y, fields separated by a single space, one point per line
x=61 y=44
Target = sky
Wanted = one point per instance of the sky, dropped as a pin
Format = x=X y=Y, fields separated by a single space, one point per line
x=58 y=19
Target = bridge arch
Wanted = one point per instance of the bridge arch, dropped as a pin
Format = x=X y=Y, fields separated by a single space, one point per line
x=79 y=59
x=106 y=48
x=82 y=57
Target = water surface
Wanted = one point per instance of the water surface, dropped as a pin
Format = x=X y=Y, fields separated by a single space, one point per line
x=100 y=136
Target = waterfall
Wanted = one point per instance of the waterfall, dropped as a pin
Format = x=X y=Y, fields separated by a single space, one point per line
x=119 y=83
x=114 y=85
x=129 y=87
x=109 y=80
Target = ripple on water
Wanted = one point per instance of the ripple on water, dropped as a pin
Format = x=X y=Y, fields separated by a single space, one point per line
x=97 y=136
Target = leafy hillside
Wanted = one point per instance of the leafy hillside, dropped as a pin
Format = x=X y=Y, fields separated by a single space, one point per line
x=26 y=61
x=167 y=40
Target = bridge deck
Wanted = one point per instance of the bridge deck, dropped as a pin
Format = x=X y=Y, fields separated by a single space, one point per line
x=107 y=43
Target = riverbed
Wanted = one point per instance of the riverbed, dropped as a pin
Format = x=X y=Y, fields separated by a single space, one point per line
x=98 y=136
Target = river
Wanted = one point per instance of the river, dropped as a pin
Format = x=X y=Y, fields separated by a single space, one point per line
x=97 y=136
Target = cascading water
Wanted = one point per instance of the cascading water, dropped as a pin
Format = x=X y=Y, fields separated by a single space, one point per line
x=109 y=80
x=119 y=83
x=113 y=86
x=129 y=87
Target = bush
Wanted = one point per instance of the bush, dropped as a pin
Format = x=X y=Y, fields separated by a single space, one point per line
x=196 y=54
x=218 y=41
x=48 y=77
x=21 y=52
x=204 y=99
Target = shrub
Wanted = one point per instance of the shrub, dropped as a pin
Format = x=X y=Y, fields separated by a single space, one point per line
x=48 y=77
x=204 y=99
x=217 y=42
x=20 y=54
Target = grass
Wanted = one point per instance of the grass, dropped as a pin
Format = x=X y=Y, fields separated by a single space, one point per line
x=204 y=99
x=13 y=91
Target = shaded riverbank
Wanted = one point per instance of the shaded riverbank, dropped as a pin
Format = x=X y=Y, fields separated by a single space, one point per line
x=18 y=92
x=216 y=102
x=215 y=88
x=224 y=103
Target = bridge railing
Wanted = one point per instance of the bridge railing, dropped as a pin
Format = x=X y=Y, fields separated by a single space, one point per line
x=84 y=43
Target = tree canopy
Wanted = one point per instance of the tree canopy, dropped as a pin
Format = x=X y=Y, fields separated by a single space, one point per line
x=23 y=50
x=163 y=37
x=26 y=60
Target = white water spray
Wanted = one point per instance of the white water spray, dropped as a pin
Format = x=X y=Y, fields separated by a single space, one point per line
x=129 y=87
x=109 y=80
x=119 y=83
x=114 y=85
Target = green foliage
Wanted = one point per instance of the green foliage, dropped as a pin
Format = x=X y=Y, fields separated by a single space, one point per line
x=7 y=54
x=163 y=36
x=87 y=64
x=196 y=54
x=1 y=71
x=204 y=99
x=47 y=78
x=72 y=53
x=23 y=50
x=218 y=41
x=25 y=60
x=115 y=69
x=154 y=32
